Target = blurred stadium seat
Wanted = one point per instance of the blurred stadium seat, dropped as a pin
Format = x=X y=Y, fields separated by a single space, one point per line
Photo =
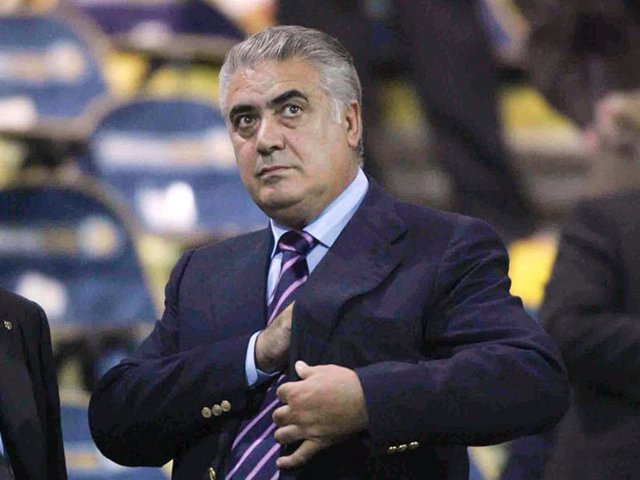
x=47 y=72
x=67 y=247
x=173 y=162
x=173 y=29
x=84 y=461
x=51 y=87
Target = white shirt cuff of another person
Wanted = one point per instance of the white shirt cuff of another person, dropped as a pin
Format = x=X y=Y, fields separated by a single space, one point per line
x=326 y=229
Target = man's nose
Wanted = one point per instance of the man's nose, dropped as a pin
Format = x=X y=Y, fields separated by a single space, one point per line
x=270 y=136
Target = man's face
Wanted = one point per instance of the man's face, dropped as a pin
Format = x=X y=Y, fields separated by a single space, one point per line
x=296 y=151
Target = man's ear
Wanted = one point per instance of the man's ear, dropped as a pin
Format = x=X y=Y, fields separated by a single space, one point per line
x=353 y=123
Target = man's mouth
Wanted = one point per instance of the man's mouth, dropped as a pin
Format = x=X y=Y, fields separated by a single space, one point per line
x=272 y=169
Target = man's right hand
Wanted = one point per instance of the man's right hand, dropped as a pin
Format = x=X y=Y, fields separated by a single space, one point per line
x=272 y=344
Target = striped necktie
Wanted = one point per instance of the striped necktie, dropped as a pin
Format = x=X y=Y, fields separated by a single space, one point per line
x=254 y=450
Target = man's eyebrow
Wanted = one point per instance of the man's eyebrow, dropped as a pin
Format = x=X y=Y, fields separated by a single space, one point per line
x=279 y=100
x=288 y=95
x=240 y=109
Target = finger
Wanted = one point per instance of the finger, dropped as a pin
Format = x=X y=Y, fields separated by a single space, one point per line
x=289 y=434
x=301 y=456
x=286 y=314
x=303 y=370
x=282 y=416
x=283 y=392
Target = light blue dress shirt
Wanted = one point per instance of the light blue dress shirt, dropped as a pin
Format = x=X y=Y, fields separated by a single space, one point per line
x=326 y=229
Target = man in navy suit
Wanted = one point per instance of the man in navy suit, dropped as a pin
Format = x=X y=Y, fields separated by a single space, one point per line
x=400 y=344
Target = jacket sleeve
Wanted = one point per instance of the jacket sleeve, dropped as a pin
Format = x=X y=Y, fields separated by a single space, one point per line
x=55 y=449
x=584 y=306
x=149 y=407
x=491 y=374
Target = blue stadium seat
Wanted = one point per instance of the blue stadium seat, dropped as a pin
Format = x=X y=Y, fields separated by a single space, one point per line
x=172 y=160
x=67 y=242
x=84 y=461
x=47 y=71
x=164 y=26
x=68 y=248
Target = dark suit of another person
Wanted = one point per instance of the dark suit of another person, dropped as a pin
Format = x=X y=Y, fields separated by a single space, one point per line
x=29 y=402
x=416 y=348
x=592 y=308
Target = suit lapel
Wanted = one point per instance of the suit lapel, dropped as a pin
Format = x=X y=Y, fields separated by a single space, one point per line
x=365 y=253
x=249 y=291
x=19 y=421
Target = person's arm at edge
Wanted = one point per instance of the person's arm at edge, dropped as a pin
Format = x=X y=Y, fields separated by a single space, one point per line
x=54 y=443
x=582 y=311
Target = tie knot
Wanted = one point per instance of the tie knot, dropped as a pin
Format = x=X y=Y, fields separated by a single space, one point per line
x=296 y=241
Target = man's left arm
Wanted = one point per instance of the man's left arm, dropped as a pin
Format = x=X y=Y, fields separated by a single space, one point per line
x=496 y=374
x=492 y=373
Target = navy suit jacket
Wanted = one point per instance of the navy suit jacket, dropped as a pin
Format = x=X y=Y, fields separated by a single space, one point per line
x=29 y=402
x=416 y=301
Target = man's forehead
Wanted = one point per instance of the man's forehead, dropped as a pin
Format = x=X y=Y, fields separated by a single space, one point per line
x=270 y=79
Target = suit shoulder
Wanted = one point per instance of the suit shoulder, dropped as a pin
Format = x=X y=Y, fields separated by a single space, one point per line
x=230 y=246
x=19 y=307
x=441 y=223
x=612 y=204
x=608 y=214
x=13 y=301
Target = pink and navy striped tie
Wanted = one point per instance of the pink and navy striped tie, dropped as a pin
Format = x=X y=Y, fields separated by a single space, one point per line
x=254 y=451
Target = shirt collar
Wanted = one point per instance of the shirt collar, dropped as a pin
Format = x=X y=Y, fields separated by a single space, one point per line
x=329 y=224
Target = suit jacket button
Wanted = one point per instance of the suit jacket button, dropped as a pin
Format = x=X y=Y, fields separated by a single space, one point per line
x=225 y=405
x=414 y=445
x=8 y=325
x=402 y=447
x=216 y=410
x=206 y=412
x=392 y=449
x=212 y=474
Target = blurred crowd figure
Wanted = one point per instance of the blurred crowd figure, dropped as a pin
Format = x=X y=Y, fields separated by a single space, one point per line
x=583 y=56
x=444 y=46
x=592 y=309
x=579 y=51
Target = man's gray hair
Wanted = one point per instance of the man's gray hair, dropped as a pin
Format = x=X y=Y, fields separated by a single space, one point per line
x=332 y=61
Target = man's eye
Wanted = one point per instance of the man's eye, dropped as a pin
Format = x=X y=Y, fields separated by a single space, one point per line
x=245 y=121
x=291 y=110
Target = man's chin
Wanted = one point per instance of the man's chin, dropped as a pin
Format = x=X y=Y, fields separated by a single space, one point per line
x=275 y=202
x=283 y=209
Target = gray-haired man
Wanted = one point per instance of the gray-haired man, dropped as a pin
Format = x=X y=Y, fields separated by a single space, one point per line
x=356 y=337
